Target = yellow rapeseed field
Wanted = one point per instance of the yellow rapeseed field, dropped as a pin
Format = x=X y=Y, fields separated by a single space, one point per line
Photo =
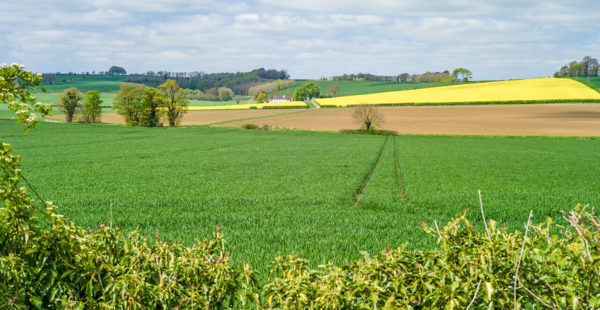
x=540 y=89
x=291 y=104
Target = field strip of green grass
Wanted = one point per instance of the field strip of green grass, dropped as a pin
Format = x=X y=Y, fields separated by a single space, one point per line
x=365 y=181
x=253 y=118
x=282 y=192
x=593 y=82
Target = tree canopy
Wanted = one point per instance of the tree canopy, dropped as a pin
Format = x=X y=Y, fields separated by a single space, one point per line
x=308 y=90
x=588 y=66
x=461 y=75
x=92 y=107
x=129 y=103
x=176 y=104
x=115 y=70
x=69 y=101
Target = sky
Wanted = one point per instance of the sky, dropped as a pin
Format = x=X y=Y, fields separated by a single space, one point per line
x=501 y=39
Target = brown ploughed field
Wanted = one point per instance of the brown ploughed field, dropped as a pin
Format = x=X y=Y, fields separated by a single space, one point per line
x=195 y=118
x=526 y=119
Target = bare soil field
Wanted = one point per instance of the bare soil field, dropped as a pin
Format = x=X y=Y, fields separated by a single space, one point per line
x=195 y=118
x=530 y=119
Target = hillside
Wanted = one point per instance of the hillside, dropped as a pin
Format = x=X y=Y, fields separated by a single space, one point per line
x=512 y=91
x=348 y=88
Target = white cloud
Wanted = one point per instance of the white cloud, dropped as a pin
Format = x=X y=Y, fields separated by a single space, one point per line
x=310 y=38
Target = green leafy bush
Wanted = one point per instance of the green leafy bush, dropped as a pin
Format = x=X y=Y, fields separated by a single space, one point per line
x=249 y=126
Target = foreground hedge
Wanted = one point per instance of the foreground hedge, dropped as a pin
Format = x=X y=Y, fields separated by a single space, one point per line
x=64 y=266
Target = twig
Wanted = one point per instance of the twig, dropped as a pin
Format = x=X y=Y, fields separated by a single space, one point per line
x=539 y=299
x=32 y=189
x=574 y=221
x=38 y=196
x=521 y=257
x=111 y=218
x=487 y=231
x=474 y=295
x=437 y=229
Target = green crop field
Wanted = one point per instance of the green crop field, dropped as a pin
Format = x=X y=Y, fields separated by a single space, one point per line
x=593 y=82
x=348 y=88
x=101 y=83
x=277 y=193
x=213 y=103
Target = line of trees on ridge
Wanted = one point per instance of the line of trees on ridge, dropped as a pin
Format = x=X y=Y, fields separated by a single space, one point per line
x=238 y=82
x=588 y=66
x=457 y=75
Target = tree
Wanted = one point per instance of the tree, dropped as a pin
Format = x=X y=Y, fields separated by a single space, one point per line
x=307 y=91
x=593 y=66
x=225 y=93
x=92 y=107
x=69 y=101
x=461 y=75
x=152 y=101
x=333 y=89
x=16 y=90
x=129 y=103
x=48 y=78
x=368 y=116
x=115 y=70
x=175 y=104
x=261 y=97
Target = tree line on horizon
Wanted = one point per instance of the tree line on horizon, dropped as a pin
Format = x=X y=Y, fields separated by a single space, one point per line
x=238 y=82
x=588 y=66
x=457 y=75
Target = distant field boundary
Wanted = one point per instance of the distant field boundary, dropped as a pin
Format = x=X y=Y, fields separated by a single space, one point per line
x=253 y=118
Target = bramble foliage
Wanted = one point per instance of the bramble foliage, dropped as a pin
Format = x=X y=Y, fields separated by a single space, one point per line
x=467 y=268
x=16 y=88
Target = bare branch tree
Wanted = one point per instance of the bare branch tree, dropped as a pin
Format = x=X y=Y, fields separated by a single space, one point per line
x=368 y=116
